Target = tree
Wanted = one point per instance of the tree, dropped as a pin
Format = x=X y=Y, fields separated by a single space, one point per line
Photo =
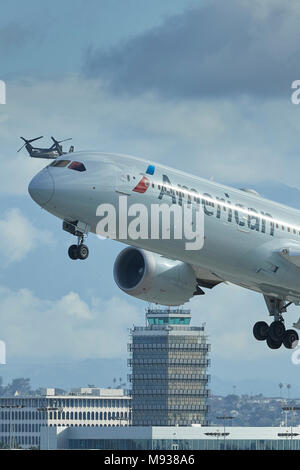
x=288 y=389
x=21 y=385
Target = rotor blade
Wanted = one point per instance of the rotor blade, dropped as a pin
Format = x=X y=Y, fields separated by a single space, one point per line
x=36 y=138
x=60 y=141
x=21 y=147
x=65 y=140
x=29 y=141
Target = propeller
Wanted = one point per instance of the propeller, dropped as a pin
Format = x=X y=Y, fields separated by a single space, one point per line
x=29 y=141
x=60 y=141
x=57 y=146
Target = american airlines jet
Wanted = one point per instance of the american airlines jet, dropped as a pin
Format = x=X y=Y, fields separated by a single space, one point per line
x=243 y=239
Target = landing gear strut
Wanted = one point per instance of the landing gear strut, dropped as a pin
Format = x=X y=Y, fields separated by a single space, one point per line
x=79 y=229
x=276 y=334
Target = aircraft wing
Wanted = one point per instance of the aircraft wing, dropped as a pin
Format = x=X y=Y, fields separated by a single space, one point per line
x=206 y=278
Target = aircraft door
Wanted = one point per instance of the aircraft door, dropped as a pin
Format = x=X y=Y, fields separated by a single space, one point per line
x=123 y=183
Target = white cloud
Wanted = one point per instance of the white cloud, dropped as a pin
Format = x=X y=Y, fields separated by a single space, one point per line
x=19 y=236
x=68 y=327
x=16 y=172
x=72 y=305
x=242 y=140
x=73 y=328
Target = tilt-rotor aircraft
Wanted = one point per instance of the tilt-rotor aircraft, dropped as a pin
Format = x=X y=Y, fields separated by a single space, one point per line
x=248 y=240
x=52 y=152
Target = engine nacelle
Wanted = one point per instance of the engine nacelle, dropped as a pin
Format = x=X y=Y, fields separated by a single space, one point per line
x=154 y=278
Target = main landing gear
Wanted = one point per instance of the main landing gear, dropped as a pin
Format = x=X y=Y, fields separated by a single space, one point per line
x=276 y=335
x=79 y=229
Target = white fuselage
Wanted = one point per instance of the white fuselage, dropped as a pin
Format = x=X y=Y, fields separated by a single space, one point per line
x=244 y=232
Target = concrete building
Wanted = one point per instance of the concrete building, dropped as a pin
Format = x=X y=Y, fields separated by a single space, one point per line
x=168 y=370
x=23 y=417
x=172 y=438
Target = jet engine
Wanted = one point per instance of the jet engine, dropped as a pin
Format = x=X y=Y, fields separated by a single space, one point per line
x=154 y=278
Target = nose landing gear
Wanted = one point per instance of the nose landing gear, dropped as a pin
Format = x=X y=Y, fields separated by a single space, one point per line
x=79 y=229
x=80 y=251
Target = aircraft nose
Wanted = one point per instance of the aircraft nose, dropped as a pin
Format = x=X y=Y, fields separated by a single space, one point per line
x=41 y=187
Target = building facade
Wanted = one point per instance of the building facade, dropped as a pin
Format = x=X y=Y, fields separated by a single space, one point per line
x=173 y=438
x=169 y=360
x=23 y=417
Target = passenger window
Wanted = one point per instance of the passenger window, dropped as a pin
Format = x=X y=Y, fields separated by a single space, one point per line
x=78 y=166
x=60 y=163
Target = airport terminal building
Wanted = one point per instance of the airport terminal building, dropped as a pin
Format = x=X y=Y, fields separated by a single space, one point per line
x=172 y=438
x=22 y=418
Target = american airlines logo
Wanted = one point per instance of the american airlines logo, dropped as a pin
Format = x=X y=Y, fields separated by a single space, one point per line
x=2 y=92
x=219 y=207
x=142 y=186
x=246 y=218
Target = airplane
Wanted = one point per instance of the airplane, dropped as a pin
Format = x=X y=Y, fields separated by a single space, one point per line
x=249 y=241
x=49 y=153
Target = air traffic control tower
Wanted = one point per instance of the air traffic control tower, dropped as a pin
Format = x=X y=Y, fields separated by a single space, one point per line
x=168 y=360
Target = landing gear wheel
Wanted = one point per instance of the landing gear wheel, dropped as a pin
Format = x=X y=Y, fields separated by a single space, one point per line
x=290 y=339
x=273 y=344
x=276 y=330
x=82 y=251
x=72 y=252
x=260 y=330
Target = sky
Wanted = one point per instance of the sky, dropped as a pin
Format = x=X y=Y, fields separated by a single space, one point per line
x=199 y=85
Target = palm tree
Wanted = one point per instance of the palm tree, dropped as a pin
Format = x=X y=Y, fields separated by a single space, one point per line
x=280 y=388
x=288 y=389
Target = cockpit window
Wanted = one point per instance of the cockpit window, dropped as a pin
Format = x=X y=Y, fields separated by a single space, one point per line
x=78 y=166
x=60 y=163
